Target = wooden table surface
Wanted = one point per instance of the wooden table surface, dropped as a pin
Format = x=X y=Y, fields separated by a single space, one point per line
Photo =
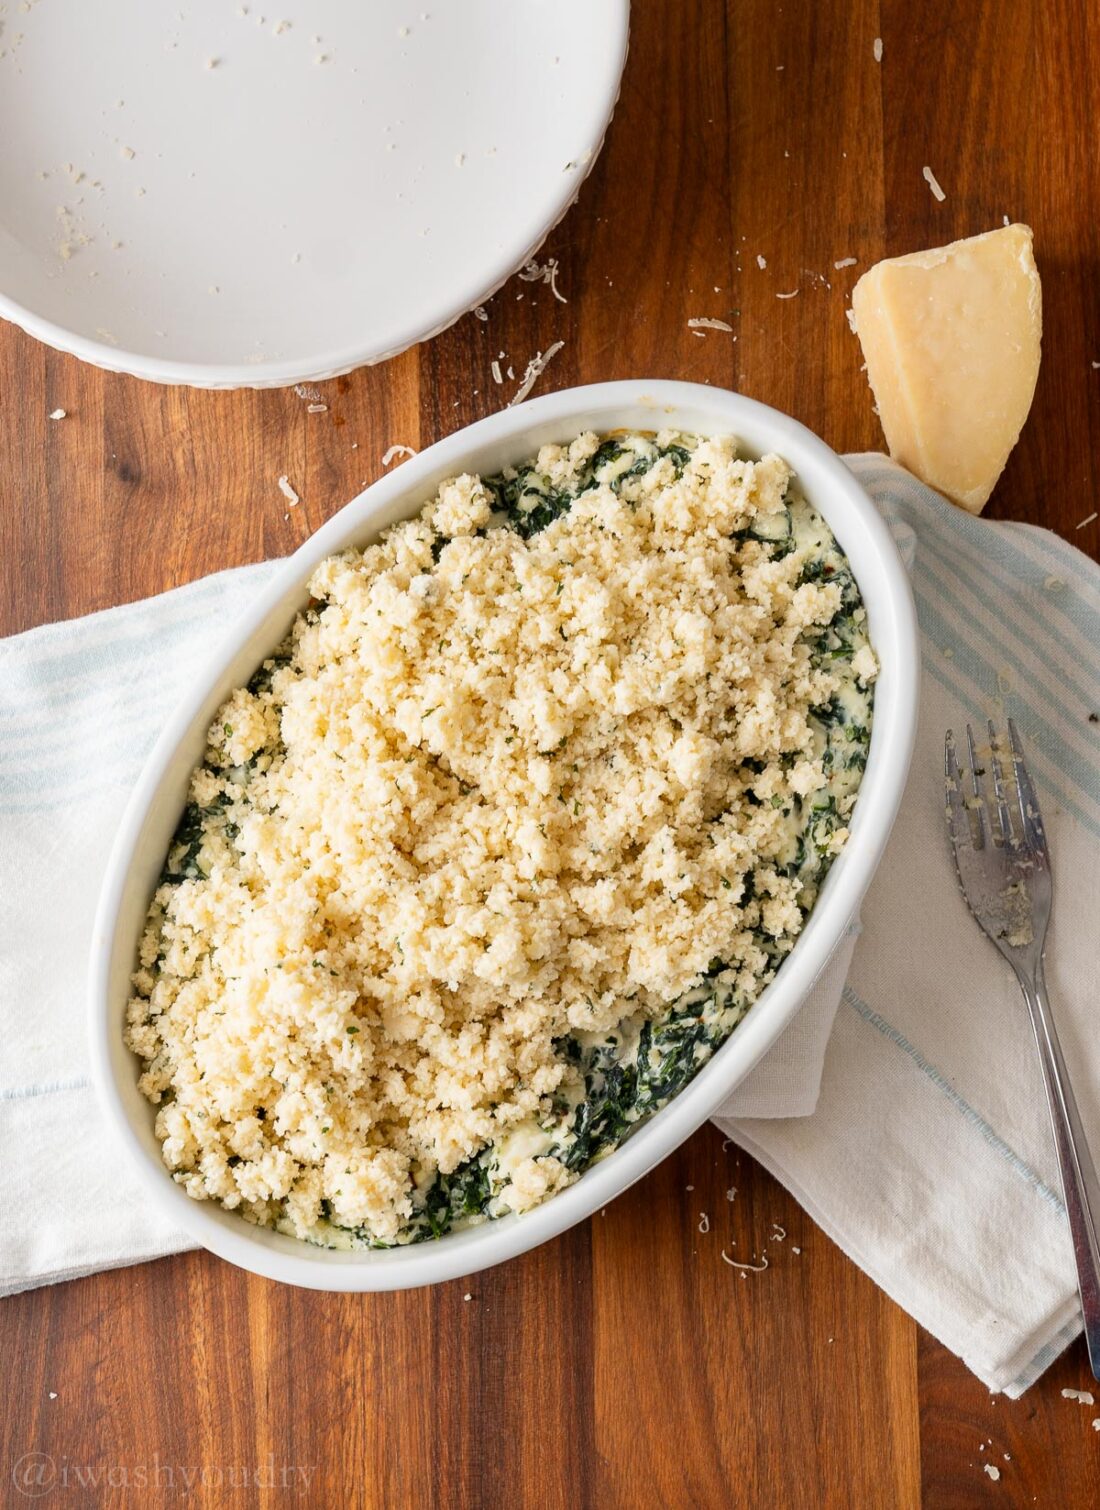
x=622 y=1364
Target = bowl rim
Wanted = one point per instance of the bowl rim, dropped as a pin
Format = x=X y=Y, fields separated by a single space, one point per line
x=336 y=361
x=400 y=494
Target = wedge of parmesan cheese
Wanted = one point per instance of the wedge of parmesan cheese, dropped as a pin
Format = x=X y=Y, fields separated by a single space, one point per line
x=951 y=338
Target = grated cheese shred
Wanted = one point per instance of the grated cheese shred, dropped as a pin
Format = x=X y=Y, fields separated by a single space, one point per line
x=535 y=368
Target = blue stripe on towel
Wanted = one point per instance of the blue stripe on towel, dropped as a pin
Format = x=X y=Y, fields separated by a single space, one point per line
x=943 y=1085
x=50 y=1088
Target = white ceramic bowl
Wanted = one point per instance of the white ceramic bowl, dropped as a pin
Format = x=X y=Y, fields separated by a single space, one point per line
x=158 y=800
x=210 y=195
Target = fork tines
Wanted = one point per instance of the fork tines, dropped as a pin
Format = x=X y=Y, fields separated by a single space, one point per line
x=970 y=820
x=1030 y=816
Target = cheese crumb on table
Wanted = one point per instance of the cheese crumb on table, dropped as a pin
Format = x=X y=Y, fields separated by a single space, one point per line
x=933 y=183
x=547 y=273
x=952 y=341
x=535 y=368
x=746 y=1267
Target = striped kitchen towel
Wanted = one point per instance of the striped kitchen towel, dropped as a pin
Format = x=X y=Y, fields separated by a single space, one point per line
x=928 y=1157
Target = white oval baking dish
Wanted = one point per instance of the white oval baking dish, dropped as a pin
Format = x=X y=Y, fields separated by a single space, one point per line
x=158 y=800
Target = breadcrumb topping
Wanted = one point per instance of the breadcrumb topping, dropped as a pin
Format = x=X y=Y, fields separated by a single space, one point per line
x=493 y=790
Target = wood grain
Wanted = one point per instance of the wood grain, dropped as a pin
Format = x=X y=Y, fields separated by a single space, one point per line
x=625 y=1364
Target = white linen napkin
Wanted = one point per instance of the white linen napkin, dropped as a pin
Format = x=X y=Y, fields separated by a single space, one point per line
x=928 y=1157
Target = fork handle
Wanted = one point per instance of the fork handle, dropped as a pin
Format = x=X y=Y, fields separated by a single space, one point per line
x=1079 y=1183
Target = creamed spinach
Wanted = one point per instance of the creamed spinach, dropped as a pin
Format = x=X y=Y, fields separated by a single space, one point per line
x=626 y=1076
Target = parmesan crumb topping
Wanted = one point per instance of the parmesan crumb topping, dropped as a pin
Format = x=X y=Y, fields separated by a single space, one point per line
x=500 y=788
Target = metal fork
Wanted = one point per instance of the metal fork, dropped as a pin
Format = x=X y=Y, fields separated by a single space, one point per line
x=1003 y=864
